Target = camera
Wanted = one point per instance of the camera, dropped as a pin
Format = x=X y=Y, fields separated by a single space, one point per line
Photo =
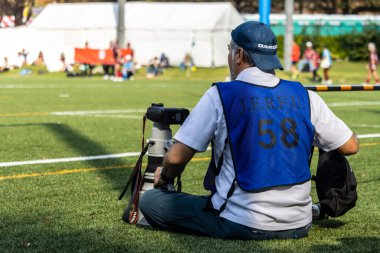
x=172 y=116
x=158 y=144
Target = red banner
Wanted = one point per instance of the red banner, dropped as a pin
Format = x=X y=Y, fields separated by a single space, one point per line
x=94 y=56
x=98 y=56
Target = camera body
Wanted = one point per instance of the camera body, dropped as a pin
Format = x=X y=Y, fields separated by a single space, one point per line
x=169 y=116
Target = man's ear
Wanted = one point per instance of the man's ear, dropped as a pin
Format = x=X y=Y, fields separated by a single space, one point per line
x=239 y=55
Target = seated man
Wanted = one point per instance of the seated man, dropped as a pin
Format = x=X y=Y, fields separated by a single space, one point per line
x=262 y=131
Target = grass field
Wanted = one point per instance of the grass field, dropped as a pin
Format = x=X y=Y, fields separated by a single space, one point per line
x=73 y=206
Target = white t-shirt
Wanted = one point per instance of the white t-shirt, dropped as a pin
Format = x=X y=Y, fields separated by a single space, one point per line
x=280 y=208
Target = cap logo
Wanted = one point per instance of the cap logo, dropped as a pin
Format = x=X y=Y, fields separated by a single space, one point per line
x=267 y=46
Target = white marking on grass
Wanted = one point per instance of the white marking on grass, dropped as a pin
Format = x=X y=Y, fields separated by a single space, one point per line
x=54 y=86
x=24 y=86
x=111 y=116
x=72 y=159
x=365 y=136
x=365 y=125
x=111 y=156
x=69 y=159
x=353 y=103
x=97 y=112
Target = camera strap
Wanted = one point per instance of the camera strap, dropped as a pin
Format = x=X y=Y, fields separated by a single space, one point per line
x=131 y=212
x=138 y=164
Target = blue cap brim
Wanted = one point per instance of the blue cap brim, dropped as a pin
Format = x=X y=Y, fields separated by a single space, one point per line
x=266 y=62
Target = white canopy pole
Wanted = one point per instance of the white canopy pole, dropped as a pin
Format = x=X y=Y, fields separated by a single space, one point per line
x=120 y=23
x=288 y=38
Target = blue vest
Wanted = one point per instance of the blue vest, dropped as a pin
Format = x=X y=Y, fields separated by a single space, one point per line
x=270 y=133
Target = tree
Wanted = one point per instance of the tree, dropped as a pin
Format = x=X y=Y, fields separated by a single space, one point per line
x=339 y=6
x=16 y=8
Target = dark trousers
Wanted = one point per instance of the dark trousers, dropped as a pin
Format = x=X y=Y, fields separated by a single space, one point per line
x=185 y=213
x=109 y=70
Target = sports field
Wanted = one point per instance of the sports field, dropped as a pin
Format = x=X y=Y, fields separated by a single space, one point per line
x=50 y=205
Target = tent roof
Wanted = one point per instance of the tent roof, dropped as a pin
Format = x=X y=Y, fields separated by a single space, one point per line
x=76 y=16
x=139 y=16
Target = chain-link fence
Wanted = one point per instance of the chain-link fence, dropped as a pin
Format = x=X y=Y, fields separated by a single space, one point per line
x=327 y=28
x=324 y=25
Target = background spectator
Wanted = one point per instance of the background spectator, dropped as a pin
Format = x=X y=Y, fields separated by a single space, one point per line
x=87 y=69
x=188 y=65
x=373 y=60
x=310 y=62
x=40 y=61
x=187 y=62
x=128 y=68
x=326 y=63
x=164 y=61
x=118 y=73
x=296 y=54
x=130 y=51
x=109 y=69
x=153 y=68
x=5 y=67
x=22 y=58
x=64 y=66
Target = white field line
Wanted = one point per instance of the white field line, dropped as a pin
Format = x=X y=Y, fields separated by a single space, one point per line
x=110 y=156
x=69 y=159
x=365 y=125
x=353 y=103
x=365 y=136
x=52 y=86
x=111 y=116
x=97 y=112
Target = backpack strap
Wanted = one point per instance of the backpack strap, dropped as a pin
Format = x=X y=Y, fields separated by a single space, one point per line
x=229 y=194
x=209 y=207
x=214 y=169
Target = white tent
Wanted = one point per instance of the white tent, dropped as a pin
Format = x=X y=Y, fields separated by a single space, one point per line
x=202 y=29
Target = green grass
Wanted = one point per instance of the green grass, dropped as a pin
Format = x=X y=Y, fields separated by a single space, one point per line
x=45 y=211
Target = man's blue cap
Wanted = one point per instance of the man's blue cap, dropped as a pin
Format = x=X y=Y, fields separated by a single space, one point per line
x=260 y=42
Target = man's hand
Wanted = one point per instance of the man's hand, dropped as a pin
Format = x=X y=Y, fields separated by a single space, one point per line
x=158 y=182
x=174 y=163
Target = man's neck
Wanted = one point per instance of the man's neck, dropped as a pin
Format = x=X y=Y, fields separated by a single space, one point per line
x=240 y=68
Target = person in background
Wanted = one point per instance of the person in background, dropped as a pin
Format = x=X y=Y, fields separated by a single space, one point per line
x=187 y=62
x=22 y=58
x=326 y=63
x=118 y=73
x=129 y=69
x=188 y=65
x=153 y=68
x=164 y=61
x=64 y=66
x=373 y=60
x=5 y=67
x=40 y=61
x=310 y=62
x=109 y=69
x=130 y=51
x=87 y=70
x=296 y=54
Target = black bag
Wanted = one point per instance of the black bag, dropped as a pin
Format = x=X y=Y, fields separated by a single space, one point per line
x=335 y=183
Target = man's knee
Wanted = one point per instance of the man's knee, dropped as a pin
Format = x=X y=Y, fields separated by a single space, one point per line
x=148 y=200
